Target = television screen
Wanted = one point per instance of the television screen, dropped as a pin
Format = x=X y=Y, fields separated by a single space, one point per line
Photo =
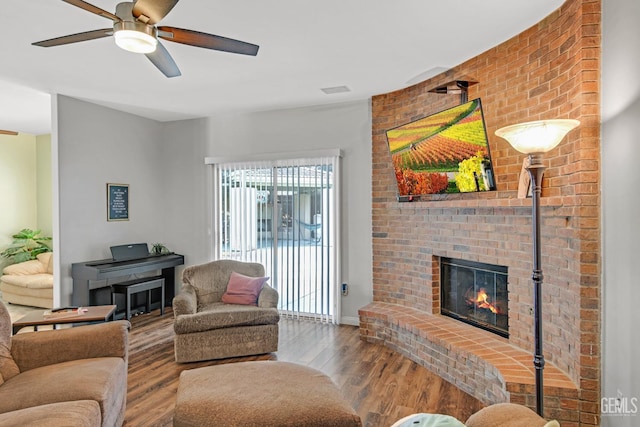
x=446 y=152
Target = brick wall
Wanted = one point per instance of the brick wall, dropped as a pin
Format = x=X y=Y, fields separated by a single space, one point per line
x=548 y=71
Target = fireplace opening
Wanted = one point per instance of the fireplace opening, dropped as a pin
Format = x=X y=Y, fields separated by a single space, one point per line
x=475 y=293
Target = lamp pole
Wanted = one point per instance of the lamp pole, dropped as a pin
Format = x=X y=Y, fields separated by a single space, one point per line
x=534 y=139
x=536 y=169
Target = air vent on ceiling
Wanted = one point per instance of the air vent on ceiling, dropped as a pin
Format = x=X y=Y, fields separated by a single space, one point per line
x=335 y=89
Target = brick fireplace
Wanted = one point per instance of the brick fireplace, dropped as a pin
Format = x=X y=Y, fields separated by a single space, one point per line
x=549 y=71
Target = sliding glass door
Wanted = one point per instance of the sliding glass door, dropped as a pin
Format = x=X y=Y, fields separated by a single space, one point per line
x=283 y=214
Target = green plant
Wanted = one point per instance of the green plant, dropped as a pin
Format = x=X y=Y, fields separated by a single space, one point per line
x=27 y=244
x=159 y=248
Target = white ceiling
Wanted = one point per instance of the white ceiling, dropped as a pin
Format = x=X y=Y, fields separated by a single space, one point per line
x=371 y=46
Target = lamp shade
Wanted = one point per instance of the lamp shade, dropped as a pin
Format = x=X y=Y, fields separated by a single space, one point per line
x=537 y=137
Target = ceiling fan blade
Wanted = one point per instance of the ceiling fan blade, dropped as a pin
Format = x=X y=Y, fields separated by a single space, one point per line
x=208 y=41
x=152 y=11
x=163 y=60
x=7 y=132
x=93 y=9
x=74 y=38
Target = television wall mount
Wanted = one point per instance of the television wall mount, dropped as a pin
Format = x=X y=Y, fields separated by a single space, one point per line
x=456 y=87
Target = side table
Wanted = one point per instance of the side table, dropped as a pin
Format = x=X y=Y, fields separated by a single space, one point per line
x=95 y=313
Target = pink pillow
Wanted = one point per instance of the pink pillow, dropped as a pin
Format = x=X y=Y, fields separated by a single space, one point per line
x=243 y=290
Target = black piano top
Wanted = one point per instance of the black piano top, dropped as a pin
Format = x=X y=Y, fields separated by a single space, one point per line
x=109 y=262
x=105 y=268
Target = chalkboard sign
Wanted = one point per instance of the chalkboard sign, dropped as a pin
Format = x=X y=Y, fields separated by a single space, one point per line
x=117 y=202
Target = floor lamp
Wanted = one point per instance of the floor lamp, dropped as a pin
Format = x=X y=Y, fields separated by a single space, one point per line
x=535 y=139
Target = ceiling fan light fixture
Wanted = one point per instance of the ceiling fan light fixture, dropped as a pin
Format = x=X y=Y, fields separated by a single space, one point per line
x=134 y=29
x=135 y=37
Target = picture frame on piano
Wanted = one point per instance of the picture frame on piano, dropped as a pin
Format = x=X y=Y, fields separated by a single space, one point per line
x=117 y=202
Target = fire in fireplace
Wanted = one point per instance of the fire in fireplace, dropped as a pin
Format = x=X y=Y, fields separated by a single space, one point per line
x=475 y=293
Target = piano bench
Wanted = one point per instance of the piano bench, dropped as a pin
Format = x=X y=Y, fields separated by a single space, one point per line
x=131 y=287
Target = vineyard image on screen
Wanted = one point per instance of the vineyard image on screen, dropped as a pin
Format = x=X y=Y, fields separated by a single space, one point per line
x=446 y=152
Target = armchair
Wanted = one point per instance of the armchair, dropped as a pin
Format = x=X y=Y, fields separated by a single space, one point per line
x=206 y=328
x=79 y=374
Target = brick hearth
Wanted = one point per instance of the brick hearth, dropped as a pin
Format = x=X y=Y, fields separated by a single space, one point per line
x=478 y=362
x=548 y=71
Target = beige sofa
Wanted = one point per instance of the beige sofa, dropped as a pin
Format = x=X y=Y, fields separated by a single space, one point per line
x=75 y=376
x=207 y=328
x=30 y=282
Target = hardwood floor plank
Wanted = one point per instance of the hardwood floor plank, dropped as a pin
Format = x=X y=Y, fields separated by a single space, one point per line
x=382 y=385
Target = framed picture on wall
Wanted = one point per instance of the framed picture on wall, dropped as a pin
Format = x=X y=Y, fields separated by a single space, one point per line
x=117 y=202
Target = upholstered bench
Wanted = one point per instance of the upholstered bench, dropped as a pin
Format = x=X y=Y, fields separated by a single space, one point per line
x=260 y=393
x=132 y=287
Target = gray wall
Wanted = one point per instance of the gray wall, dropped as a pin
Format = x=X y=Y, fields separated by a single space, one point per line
x=346 y=126
x=184 y=198
x=161 y=162
x=621 y=205
x=169 y=184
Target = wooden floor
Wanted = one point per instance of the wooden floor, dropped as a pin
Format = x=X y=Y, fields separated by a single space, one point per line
x=381 y=385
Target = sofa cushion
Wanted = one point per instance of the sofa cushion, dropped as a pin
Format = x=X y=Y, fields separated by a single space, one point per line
x=243 y=290
x=46 y=258
x=8 y=367
x=9 y=292
x=80 y=413
x=210 y=280
x=32 y=281
x=268 y=297
x=26 y=268
x=100 y=379
x=219 y=315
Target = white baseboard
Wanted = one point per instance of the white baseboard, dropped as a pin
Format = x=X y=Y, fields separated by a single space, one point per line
x=348 y=320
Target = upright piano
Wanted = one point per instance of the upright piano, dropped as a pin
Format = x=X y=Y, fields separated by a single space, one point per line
x=91 y=278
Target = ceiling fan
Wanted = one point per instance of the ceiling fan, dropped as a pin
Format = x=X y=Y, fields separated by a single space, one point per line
x=8 y=132
x=135 y=30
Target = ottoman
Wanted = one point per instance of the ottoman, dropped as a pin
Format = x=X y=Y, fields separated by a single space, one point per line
x=508 y=415
x=260 y=393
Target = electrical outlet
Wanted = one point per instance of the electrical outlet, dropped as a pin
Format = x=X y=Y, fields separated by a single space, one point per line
x=345 y=289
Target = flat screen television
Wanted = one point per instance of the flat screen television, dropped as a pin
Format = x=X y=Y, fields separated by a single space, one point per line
x=445 y=152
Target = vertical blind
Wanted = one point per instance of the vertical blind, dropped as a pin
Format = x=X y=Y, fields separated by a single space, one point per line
x=284 y=215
